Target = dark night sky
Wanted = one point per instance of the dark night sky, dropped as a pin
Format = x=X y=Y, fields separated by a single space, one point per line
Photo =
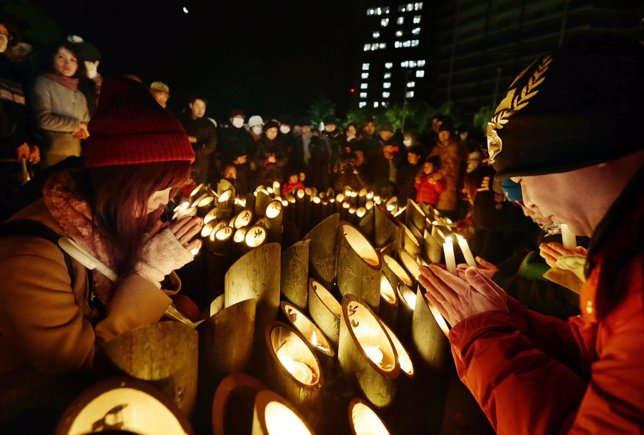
x=265 y=57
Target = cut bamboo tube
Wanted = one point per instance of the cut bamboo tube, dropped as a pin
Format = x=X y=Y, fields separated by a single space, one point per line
x=366 y=352
x=262 y=199
x=359 y=266
x=415 y=217
x=432 y=248
x=325 y=310
x=126 y=404
x=410 y=242
x=274 y=415
x=366 y=224
x=242 y=219
x=315 y=338
x=388 y=301
x=429 y=334
x=274 y=215
x=404 y=360
x=410 y=264
x=295 y=273
x=292 y=369
x=363 y=420
x=226 y=339
x=322 y=250
x=163 y=353
x=256 y=275
x=223 y=185
x=386 y=228
x=236 y=386
x=225 y=205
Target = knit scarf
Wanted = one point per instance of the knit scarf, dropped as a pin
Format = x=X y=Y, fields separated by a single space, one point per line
x=71 y=211
x=70 y=83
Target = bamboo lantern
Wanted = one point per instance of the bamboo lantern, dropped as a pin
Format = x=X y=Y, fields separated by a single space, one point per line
x=256 y=275
x=204 y=204
x=429 y=333
x=363 y=420
x=366 y=223
x=392 y=205
x=404 y=360
x=386 y=228
x=197 y=190
x=388 y=301
x=222 y=240
x=415 y=217
x=240 y=203
x=211 y=216
x=410 y=264
x=300 y=206
x=366 y=352
x=410 y=243
x=432 y=248
x=223 y=185
x=352 y=215
x=277 y=187
x=274 y=415
x=362 y=197
x=239 y=240
x=240 y=391
x=322 y=251
x=225 y=204
x=206 y=230
x=217 y=305
x=274 y=217
x=317 y=341
x=243 y=219
x=163 y=353
x=339 y=199
x=262 y=198
x=226 y=338
x=358 y=266
x=316 y=211
x=123 y=404
x=180 y=211
x=325 y=310
x=295 y=273
x=292 y=367
x=255 y=236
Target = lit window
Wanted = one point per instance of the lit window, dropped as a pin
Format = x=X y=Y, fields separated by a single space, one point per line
x=375 y=104
x=378 y=11
x=415 y=31
x=375 y=35
x=417 y=19
x=418 y=6
x=411 y=84
x=366 y=47
x=388 y=65
x=401 y=8
x=406 y=43
x=421 y=63
x=386 y=85
x=412 y=64
x=387 y=75
x=365 y=67
x=365 y=75
x=384 y=22
x=400 y=21
x=382 y=45
x=386 y=10
x=415 y=42
x=410 y=94
x=370 y=11
x=420 y=73
x=361 y=104
x=410 y=6
x=385 y=94
x=397 y=44
x=363 y=95
x=364 y=85
x=404 y=64
x=399 y=33
x=374 y=46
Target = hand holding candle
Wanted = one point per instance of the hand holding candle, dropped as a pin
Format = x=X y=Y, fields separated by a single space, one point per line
x=467 y=253
x=450 y=259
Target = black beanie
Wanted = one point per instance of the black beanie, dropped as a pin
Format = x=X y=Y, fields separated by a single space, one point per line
x=579 y=106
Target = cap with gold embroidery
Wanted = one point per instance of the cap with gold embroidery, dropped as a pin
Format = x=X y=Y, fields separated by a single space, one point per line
x=579 y=106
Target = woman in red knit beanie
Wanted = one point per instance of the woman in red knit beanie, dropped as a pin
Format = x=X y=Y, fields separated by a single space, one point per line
x=53 y=318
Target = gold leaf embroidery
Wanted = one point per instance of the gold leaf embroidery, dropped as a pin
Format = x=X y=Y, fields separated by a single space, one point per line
x=512 y=103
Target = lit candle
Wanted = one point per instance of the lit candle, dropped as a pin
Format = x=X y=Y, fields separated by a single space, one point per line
x=568 y=237
x=374 y=353
x=465 y=249
x=299 y=370
x=448 y=250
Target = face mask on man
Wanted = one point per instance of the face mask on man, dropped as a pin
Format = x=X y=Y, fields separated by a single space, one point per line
x=407 y=142
x=257 y=129
x=238 y=122
x=285 y=129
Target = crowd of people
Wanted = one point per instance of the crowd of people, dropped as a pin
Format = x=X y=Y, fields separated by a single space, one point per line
x=559 y=150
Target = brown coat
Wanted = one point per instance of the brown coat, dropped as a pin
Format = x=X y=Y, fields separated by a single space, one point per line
x=46 y=322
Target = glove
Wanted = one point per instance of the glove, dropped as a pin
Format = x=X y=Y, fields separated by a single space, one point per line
x=161 y=255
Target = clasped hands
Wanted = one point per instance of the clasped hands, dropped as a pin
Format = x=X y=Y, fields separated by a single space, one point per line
x=467 y=293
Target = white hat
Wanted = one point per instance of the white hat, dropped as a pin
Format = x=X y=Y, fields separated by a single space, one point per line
x=255 y=120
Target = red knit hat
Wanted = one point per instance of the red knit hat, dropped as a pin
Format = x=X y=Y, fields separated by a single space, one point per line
x=131 y=128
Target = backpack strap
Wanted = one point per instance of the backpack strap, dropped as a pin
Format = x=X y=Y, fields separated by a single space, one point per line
x=31 y=228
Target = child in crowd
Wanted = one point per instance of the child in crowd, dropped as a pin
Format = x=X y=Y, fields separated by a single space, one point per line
x=429 y=182
x=294 y=182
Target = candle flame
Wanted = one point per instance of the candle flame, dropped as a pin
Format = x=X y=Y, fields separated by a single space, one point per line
x=374 y=353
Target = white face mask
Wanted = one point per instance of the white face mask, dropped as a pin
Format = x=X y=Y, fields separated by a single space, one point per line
x=285 y=129
x=257 y=129
x=92 y=69
x=407 y=142
x=238 y=122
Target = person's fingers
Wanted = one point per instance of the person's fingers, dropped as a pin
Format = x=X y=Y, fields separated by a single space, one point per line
x=484 y=285
x=484 y=263
x=194 y=246
x=452 y=282
x=439 y=306
x=188 y=231
x=182 y=225
x=434 y=281
x=556 y=249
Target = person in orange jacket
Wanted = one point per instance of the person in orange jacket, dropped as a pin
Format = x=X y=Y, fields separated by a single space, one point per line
x=564 y=132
